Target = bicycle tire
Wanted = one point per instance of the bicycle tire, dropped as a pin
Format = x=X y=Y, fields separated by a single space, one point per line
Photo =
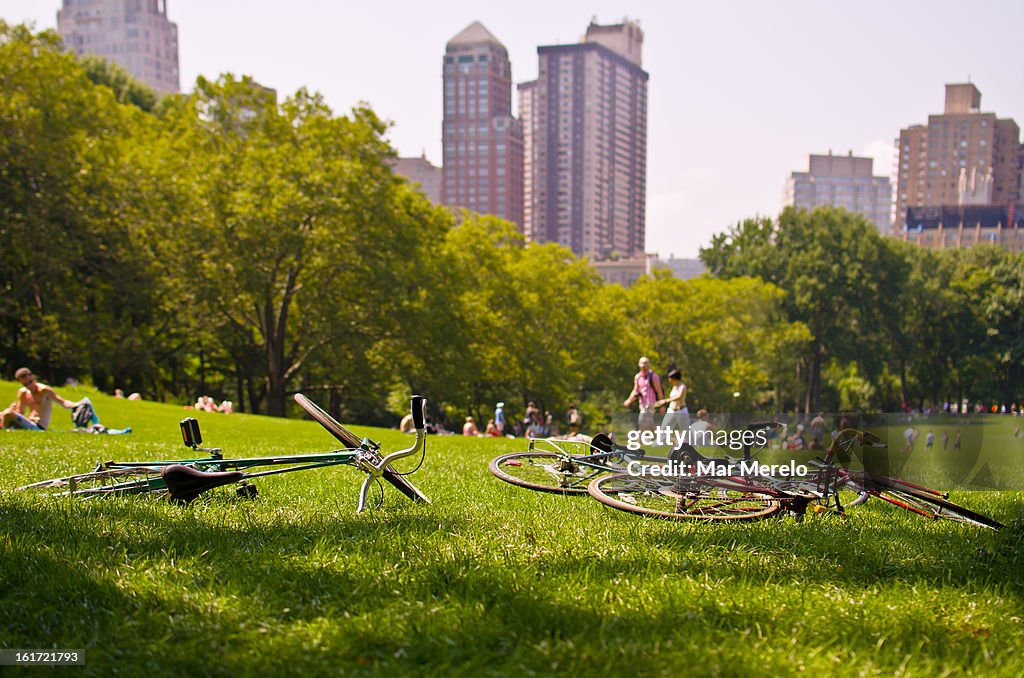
x=135 y=480
x=543 y=471
x=402 y=484
x=333 y=427
x=681 y=499
x=928 y=504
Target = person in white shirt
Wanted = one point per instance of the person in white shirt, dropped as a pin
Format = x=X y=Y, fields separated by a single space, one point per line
x=677 y=418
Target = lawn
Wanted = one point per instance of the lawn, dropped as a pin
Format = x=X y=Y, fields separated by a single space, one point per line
x=488 y=580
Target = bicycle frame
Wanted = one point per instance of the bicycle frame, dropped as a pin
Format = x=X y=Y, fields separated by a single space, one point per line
x=152 y=476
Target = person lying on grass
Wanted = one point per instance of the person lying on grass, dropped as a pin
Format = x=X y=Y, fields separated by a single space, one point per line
x=34 y=406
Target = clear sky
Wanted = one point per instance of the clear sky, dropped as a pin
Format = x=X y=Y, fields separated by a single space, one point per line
x=741 y=92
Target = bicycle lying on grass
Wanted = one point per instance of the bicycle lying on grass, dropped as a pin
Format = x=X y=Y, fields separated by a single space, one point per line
x=565 y=466
x=692 y=487
x=571 y=467
x=183 y=480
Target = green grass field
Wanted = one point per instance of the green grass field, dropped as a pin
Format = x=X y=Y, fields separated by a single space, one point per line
x=488 y=580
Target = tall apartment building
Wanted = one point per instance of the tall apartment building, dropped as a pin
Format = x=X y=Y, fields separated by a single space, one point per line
x=482 y=143
x=842 y=181
x=585 y=140
x=133 y=33
x=961 y=157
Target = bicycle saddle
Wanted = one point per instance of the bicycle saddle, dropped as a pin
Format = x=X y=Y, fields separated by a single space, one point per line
x=603 y=443
x=185 y=483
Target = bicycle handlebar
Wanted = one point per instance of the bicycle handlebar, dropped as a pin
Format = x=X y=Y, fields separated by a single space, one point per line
x=418 y=403
x=376 y=470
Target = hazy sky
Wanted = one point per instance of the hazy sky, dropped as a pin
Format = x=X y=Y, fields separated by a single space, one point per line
x=740 y=92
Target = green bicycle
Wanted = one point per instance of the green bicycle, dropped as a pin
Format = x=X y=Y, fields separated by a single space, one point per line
x=183 y=480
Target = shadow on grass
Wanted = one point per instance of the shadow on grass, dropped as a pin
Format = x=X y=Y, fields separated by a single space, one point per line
x=408 y=590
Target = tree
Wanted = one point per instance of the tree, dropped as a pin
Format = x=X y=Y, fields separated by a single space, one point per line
x=726 y=336
x=284 y=256
x=837 y=274
x=78 y=294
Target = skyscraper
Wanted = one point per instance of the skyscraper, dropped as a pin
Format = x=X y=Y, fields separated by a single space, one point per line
x=482 y=143
x=133 y=33
x=842 y=181
x=585 y=132
x=962 y=157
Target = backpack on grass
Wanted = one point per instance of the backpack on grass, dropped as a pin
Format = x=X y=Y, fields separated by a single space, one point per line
x=83 y=415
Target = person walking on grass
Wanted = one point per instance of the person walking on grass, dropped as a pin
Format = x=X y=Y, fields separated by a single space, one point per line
x=647 y=392
x=677 y=418
x=34 y=406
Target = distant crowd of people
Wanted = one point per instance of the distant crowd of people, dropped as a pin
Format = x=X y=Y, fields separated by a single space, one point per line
x=966 y=407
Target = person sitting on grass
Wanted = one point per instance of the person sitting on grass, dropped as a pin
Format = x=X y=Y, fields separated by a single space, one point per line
x=469 y=428
x=34 y=407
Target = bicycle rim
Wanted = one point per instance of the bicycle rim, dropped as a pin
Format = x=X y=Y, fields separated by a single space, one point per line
x=136 y=480
x=544 y=471
x=681 y=499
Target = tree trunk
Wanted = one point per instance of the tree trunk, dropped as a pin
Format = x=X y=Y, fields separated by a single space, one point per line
x=903 y=381
x=814 y=381
x=276 y=395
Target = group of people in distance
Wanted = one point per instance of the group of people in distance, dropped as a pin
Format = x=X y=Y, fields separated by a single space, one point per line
x=208 y=404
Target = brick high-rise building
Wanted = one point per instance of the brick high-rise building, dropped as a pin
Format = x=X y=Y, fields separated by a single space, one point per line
x=133 y=33
x=482 y=143
x=585 y=133
x=961 y=157
x=842 y=181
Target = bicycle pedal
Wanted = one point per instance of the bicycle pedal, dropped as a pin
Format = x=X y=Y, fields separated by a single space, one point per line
x=818 y=508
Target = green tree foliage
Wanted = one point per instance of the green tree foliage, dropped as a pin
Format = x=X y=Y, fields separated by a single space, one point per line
x=126 y=89
x=725 y=336
x=77 y=292
x=524 y=310
x=837 y=273
x=945 y=324
x=300 y=244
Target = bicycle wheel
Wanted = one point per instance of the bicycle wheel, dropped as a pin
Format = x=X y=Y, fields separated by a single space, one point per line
x=544 y=471
x=927 y=504
x=681 y=499
x=136 y=480
x=348 y=438
x=403 y=485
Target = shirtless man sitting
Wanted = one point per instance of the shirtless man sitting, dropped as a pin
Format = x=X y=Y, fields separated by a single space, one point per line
x=34 y=406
